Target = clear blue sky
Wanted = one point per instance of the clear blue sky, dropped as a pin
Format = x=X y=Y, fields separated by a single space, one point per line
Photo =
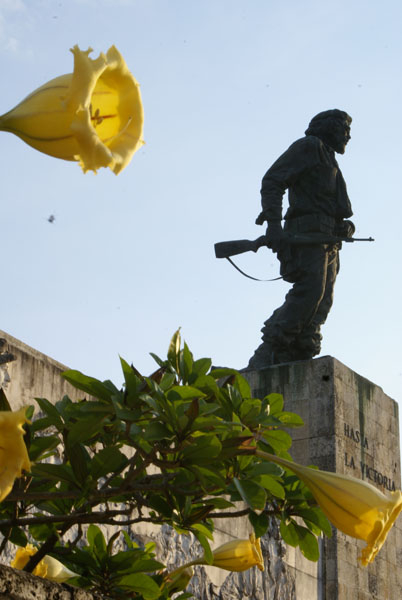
x=227 y=85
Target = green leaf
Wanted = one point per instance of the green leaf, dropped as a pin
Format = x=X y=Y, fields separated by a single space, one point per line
x=56 y=472
x=275 y=403
x=90 y=385
x=249 y=410
x=64 y=407
x=157 y=431
x=207 y=384
x=40 y=424
x=223 y=372
x=107 y=460
x=291 y=419
x=201 y=528
x=297 y=535
x=83 y=430
x=208 y=477
x=159 y=361
x=29 y=412
x=220 y=502
x=201 y=366
x=251 y=493
x=184 y=392
x=317 y=517
x=131 y=379
x=52 y=413
x=273 y=486
x=129 y=542
x=289 y=533
x=90 y=408
x=134 y=562
x=265 y=468
x=201 y=448
x=206 y=547
x=308 y=543
x=174 y=350
x=167 y=381
x=160 y=505
x=42 y=532
x=122 y=412
x=279 y=440
x=83 y=558
x=142 y=584
x=185 y=362
x=41 y=445
x=18 y=537
x=4 y=404
x=243 y=386
x=112 y=539
x=97 y=542
x=79 y=460
x=259 y=522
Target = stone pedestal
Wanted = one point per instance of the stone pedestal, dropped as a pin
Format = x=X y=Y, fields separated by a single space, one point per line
x=351 y=427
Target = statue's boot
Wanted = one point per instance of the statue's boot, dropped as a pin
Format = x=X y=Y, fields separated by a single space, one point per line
x=266 y=356
x=262 y=357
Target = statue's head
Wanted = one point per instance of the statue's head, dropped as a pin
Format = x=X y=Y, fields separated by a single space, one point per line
x=332 y=127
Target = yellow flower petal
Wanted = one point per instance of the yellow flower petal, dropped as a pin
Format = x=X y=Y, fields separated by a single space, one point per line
x=49 y=567
x=237 y=555
x=13 y=453
x=23 y=555
x=56 y=571
x=353 y=506
x=93 y=115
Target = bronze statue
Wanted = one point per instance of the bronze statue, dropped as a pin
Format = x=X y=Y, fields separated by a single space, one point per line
x=319 y=209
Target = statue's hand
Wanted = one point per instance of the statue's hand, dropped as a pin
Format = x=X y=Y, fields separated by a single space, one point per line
x=274 y=235
x=260 y=219
x=345 y=229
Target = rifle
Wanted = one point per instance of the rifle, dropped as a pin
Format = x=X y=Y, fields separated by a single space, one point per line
x=227 y=249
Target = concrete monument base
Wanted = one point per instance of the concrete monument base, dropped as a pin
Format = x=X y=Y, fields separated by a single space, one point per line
x=351 y=427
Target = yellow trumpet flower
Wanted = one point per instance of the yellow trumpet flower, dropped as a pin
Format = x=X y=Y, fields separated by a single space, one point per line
x=237 y=555
x=49 y=567
x=353 y=506
x=93 y=115
x=13 y=453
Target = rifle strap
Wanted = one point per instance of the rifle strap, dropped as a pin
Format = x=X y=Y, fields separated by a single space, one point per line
x=250 y=276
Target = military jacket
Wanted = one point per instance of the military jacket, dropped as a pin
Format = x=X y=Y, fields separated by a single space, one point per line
x=310 y=173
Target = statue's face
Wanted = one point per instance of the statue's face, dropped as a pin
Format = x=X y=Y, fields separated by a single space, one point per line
x=339 y=137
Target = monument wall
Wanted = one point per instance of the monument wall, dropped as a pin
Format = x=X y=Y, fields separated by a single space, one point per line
x=350 y=426
x=31 y=375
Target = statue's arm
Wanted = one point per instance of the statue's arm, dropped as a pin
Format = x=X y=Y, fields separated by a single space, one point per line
x=304 y=154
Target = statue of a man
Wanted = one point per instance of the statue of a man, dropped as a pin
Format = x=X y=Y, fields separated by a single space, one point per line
x=318 y=204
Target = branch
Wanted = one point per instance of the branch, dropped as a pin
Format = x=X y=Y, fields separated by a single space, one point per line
x=240 y=513
x=97 y=496
x=223 y=515
x=73 y=519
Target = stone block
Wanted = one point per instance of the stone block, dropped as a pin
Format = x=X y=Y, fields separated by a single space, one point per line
x=350 y=427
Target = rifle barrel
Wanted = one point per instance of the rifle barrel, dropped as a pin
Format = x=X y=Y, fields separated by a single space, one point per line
x=234 y=247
